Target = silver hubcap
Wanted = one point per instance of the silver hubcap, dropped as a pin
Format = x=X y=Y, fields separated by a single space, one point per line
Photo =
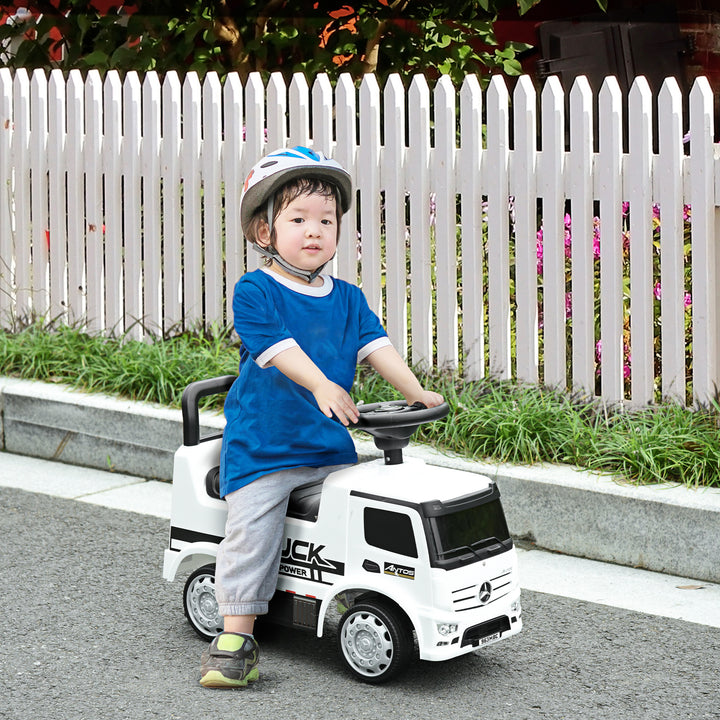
x=202 y=605
x=366 y=643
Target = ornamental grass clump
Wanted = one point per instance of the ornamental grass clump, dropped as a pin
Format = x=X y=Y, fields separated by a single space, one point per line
x=661 y=444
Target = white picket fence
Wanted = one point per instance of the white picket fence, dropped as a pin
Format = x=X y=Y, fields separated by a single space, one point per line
x=119 y=210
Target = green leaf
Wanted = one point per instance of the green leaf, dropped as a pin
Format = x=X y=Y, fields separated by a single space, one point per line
x=97 y=58
x=525 y=5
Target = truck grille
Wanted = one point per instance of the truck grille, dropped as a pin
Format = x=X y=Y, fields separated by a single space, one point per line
x=482 y=594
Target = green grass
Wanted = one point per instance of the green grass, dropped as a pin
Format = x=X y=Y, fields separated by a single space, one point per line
x=490 y=420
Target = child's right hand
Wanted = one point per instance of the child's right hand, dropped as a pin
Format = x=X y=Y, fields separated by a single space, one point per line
x=334 y=400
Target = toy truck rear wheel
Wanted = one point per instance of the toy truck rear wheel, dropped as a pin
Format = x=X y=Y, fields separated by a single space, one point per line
x=375 y=641
x=200 y=605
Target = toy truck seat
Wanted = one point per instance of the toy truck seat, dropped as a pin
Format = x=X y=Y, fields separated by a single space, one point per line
x=304 y=502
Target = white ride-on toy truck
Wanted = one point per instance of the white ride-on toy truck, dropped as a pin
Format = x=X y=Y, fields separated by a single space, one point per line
x=416 y=552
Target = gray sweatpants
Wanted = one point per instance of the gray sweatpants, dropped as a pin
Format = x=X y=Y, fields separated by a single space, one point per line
x=248 y=558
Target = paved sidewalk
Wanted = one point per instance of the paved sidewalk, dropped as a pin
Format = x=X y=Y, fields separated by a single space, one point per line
x=556 y=574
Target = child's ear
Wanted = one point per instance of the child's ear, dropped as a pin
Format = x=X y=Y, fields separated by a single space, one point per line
x=263 y=234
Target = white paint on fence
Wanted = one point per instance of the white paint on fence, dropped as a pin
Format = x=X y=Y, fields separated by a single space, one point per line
x=119 y=209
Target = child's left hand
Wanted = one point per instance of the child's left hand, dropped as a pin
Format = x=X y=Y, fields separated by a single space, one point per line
x=427 y=398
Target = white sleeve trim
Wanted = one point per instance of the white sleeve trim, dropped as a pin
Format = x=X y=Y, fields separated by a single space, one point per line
x=263 y=360
x=372 y=346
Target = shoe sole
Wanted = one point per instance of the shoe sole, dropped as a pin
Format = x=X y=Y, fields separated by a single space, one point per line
x=215 y=679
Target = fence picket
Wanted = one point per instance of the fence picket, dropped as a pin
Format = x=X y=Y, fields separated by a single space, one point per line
x=704 y=252
x=22 y=279
x=609 y=193
x=497 y=172
x=670 y=194
x=40 y=295
x=192 y=200
x=132 y=206
x=57 y=197
x=277 y=112
x=345 y=153
x=299 y=94
x=151 y=214
x=255 y=140
x=234 y=178
x=469 y=171
x=112 y=148
x=94 y=220
x=322 y=111
x=523 y=188
x=419 y=187
x=639 y=196
x=368 y=183
x=580 y=194
x=552 y=191
x=446 y=326
x=170 y=154
x=212 y=197
x=75 y=201
x=393 y=180
x=7 y=269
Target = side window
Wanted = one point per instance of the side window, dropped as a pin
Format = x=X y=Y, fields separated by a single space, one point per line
x=391 y=531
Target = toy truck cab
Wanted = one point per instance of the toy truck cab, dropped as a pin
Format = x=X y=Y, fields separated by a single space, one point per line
x=420 y=555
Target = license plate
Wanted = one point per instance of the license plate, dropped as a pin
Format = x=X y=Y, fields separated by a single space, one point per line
x=490 y=638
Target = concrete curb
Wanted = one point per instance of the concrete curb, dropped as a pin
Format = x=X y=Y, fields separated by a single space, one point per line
x=668 y=529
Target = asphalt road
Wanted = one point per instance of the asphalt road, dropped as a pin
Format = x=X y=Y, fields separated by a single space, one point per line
x=91 y=630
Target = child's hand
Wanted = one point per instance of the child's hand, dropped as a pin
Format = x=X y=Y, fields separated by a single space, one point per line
x=332 y=399
x=427 y=397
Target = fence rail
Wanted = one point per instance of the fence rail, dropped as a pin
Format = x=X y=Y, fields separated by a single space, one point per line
x=491 y=231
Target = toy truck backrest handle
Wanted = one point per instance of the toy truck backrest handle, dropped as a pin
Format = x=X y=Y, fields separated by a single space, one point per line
x=190 y=398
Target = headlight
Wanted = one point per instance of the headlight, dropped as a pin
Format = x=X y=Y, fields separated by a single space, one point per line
x=516 y=607
x=446 y=629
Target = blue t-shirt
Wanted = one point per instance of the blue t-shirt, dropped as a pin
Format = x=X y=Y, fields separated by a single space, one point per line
x=272 y=422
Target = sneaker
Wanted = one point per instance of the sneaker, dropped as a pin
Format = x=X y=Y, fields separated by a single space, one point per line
x=230 y=661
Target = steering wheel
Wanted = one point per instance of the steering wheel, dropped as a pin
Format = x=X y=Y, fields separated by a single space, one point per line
x=392 y=423
x=397 y=413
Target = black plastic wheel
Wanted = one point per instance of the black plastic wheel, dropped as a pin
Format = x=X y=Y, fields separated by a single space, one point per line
x=200 y=605
x=375 y=641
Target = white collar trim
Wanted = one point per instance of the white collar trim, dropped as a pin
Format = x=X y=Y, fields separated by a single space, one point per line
x=298 y=287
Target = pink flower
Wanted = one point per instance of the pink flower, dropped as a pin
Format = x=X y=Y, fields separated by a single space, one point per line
x=687 y=300
x=539 y=250
x=657 y=291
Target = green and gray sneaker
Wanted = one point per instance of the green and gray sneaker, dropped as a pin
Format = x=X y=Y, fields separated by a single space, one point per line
x=230 y=661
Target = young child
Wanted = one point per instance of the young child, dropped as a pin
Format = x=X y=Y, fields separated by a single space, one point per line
x=302 y=334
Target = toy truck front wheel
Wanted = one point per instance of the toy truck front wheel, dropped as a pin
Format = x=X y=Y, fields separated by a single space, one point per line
x=201 y=608
x=375 y=641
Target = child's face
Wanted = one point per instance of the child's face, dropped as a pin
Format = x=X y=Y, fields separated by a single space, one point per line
x=306 y=231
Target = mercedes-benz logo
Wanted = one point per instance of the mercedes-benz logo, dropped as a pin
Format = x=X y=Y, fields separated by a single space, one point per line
x=485 y=593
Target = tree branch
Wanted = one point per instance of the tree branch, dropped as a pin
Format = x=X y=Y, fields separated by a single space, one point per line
x=372 y=46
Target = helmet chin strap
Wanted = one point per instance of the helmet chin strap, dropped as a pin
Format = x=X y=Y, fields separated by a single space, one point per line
x=272 y=254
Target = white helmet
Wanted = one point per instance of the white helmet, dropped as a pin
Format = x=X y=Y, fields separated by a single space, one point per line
x=282 y=166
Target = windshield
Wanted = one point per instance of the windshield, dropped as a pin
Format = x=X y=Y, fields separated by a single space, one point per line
x=474 y=532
